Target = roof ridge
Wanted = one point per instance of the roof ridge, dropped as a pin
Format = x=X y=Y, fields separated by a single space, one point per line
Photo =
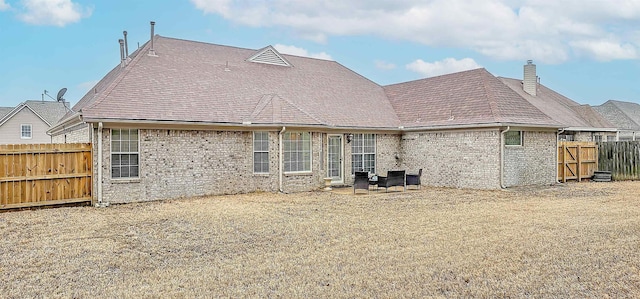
x=624 y=111
x=491 y=97
x=438 y=76
x=11 y=113
x=19 y=107
x=36 y=113
x=301 y=110
x=264 y=101
x=121 y=75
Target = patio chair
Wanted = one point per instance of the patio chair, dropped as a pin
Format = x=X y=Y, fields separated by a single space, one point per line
x=393 y=178
x=361 y=181
x=414 y=179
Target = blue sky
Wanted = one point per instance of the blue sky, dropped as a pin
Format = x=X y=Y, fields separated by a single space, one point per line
x=586 y=50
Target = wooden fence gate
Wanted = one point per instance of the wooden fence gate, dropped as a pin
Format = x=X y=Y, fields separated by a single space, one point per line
x=622 y=158
x=44 y=174
x=576 y=160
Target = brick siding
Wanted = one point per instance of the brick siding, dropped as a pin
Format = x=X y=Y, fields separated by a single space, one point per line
x=460 y=159
x=78 y=134
x=533 y=163
x=186 y=163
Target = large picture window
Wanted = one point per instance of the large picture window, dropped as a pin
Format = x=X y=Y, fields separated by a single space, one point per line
x=297 y=151
x=261 y=152
x=363 y=153
x=124 y=153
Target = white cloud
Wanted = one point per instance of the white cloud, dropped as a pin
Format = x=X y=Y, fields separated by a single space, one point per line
x=4 y=5
x=604 y=50
x=547 y=31
x=293 y=50
x=445 y=66
x=53 y=12
x=383 y=65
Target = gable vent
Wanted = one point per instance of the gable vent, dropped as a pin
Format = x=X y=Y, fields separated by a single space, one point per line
x=269 y=55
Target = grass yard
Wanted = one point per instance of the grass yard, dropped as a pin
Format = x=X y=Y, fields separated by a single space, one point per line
x=574 y=240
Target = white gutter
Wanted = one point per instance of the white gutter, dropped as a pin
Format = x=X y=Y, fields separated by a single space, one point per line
x=281 y=159
x=502 y=157
x=60 y=127
x=99 y=180
x=163 y=123
x=589 y=129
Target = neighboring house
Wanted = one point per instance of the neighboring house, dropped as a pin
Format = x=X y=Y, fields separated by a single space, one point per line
x=181 y=118
x=579 y=122
x=625 y=115
x=29 y=121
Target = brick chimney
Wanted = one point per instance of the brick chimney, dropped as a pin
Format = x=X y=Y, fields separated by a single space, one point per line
x=530 y=82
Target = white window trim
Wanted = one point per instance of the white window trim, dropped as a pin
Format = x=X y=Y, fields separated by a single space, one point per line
x=515 y=145
x=130 y=178
x=310 y=155
x=30 y=131
x=253 y=157
x=375 y=153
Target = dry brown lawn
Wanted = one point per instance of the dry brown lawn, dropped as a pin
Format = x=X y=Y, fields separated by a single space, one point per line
x=575 y=240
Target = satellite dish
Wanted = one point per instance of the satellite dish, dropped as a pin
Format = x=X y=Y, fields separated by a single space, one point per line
x=60 y=94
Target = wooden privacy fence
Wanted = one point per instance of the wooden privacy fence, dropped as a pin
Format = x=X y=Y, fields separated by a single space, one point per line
x=621 y=158
x=576 y=160
x=44 y=174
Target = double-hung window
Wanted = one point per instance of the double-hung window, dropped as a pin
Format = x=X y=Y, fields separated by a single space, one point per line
x=260 y=152
x=124 y=153
x=297 y=151
x=26 y=131
x=363 y=153
x=513 y=138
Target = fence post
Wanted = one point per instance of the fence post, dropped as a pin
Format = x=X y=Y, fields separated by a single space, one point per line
x=578 y=167
x=564 y=163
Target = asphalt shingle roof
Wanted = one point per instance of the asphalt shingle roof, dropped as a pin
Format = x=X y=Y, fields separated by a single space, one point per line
x=50 y=111
x=464 y=98
x=560 y=108
x=4 y=111
x=200 y=82
x=625 y=115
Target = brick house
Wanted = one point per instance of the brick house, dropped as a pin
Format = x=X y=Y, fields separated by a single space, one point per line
x=180 y=118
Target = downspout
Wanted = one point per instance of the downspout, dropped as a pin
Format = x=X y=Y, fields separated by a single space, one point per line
x=502 y=157
x=557 y=156
x=281 y=159
x=99 y=180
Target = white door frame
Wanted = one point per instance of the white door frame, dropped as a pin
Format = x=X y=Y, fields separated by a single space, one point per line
x=341 y=154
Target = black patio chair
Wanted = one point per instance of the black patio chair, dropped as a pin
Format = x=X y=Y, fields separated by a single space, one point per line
x=414 y=179
x=361 y=181
x=394 y=178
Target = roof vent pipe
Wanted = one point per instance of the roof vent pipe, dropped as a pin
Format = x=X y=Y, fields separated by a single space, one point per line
x=126 y=45
x=122 y=63
x=152 y=51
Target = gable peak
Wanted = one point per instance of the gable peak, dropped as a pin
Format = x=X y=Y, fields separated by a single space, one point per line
x=269 y=55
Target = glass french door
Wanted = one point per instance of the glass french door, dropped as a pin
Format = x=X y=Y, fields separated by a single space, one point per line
x=334 y=158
